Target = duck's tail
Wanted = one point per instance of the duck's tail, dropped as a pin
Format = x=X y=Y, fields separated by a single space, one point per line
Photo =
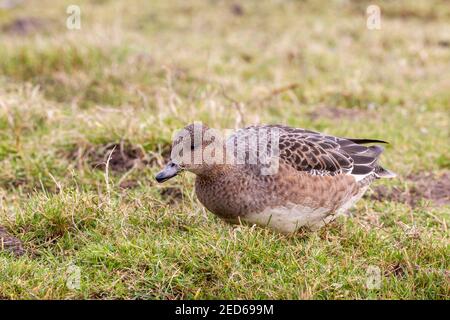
x=384 y=173
x=366 y=160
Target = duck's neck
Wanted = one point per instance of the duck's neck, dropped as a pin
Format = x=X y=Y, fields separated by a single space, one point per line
x=215 y=171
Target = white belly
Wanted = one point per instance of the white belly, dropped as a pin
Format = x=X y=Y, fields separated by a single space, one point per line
x=290 y=218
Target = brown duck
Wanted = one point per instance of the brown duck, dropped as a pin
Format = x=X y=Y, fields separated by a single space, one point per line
x=315 y=178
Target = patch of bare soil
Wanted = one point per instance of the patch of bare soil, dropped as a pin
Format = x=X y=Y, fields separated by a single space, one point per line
x=171 y=194
x=397 y=270
x=10 y=243
x=14 y=182
x=335 y=113
x=25 y=26
x=236 y=9
x=426 y=186
x=122 y=156
x=444 y=43
x=405 y=13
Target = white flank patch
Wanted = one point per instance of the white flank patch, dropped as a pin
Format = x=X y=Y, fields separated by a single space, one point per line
x=290 y=218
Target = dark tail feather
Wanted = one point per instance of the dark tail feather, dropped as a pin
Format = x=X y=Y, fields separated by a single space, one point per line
x=364 y=141
x=375 y=151
x=384 y=173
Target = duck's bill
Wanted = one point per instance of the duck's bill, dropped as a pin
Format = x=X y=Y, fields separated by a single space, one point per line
x=170 y=171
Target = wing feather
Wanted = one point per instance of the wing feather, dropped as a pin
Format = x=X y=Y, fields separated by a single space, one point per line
x=313 y=152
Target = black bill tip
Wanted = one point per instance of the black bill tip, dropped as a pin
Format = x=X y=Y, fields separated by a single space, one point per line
x=170 y=171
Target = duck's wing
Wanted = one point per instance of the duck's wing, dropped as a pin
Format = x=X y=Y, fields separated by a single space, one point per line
x=321 y=154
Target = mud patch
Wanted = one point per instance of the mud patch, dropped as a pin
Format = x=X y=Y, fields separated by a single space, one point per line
x=424 y=186
x=25 y=26
x=10 y=243
x=236 y=9
x=123 y=156
x=335 y=113
x=171 y=194
x=444 y=43
x=397 y=270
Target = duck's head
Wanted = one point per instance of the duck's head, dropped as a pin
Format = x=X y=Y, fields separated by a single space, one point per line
x=195 y=148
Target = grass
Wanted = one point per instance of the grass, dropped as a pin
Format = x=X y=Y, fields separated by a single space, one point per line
x=136 y=72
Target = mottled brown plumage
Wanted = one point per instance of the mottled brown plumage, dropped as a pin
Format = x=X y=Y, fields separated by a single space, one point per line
x=318 y=176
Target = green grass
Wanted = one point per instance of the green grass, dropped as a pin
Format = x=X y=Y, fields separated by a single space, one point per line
x=137 y=71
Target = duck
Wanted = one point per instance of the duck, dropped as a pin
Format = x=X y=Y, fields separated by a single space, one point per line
x=275 y=176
